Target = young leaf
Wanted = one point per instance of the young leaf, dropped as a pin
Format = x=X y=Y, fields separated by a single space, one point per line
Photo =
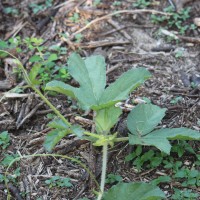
x=106 y=119
x=52 y=57
x=59 y=86
x=144 y=118
x=77 y=130
x=34 y=72
x=53 y=137
x=136 y=191
x=35 y=58
x=58 y=123
x=126 y=83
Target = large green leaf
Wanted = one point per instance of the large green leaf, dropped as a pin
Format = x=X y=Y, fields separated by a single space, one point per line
x=149 y=140
x=134 y=191
x=159 y=138
x=126 y=83
x=106 y=118
x=177 y=133
x=144 y=118
x=59 y=86
x=91 y=76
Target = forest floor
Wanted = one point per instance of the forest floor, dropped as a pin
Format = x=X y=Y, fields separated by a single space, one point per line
x=167 y=44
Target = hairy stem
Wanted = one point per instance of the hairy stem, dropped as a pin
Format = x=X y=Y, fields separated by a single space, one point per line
x=103 y=171
x=56 y=111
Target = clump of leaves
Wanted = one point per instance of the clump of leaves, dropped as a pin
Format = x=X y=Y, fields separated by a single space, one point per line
x=4 y=139
x=113 y=178
x=174 y=20
x=46 y=60
x=40 y=7
x=142 y=3
x=57 y=181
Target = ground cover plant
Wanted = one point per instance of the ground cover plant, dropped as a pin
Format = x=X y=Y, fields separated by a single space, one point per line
x=120 y=120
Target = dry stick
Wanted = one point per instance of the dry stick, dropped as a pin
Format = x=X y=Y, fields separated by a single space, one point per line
x=102 y=44
x=30 y=114
x=116 y=13
x=123 y=27
x=176 y=37
x=116 y=26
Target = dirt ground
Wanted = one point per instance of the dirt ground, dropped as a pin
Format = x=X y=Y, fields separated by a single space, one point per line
x=126 y=40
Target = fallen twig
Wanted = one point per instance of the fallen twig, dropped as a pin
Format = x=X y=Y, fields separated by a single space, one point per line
x=116 y=13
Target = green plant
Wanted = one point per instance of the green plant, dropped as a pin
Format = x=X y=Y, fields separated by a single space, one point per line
x=4 y=139
x=190 y=177
x=184 y=195
x=51 y=68
x=57 y=181
x=11 y=10
x=94 y=95
x=117 y=3
x=142 y=3
x=112 y=178
x=176 y=100
x=149 y=159
x=40 y=7
x=96 y=2
x=75 y=18
x=175 y=19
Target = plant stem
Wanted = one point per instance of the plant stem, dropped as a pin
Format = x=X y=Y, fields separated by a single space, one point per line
x=103 y=171
x=121 y=139
x=51 y=106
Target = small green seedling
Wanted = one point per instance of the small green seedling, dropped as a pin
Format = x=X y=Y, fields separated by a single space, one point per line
x=57 y=181
x=174 y=20
x=142 y=3
x=40 y=7
x=112 y=178
x=4 y=139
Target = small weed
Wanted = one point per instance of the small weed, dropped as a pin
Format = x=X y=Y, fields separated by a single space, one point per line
x=75 y=18
x=57 y=181
x=4 y=139
x=142 y=4
x=179 y=54
x=11 y=10
x=10 y=178
x=184 y=195
x=188 y=177
x=8 y=159
x=117 y=3
x=112 y=178
x=96 y=2
x=78 y=37
x=176 y=100
x=40 y=7
x=176 y=19
x=48 y=59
